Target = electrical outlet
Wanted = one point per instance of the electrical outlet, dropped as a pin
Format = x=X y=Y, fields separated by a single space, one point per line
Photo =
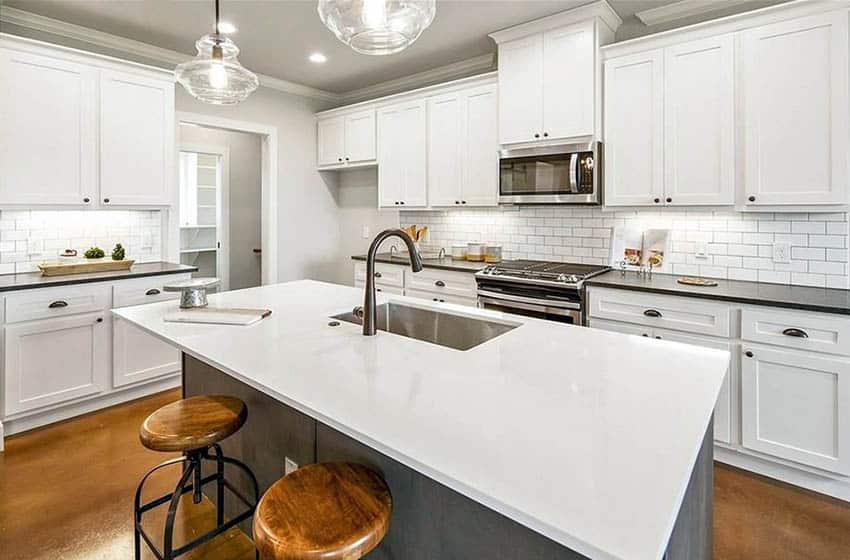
x=366 y=232
x=782 y=252
x=289 y=466
x=701 y=250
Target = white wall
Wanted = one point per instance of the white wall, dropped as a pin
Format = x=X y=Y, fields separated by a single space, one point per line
x=243 y=198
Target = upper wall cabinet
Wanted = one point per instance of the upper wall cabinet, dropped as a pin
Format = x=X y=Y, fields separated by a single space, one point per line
x=81 y=130
x=402 y=155
x=549 y=83
x=794 y=80
x=346 y=140
x=463 y=160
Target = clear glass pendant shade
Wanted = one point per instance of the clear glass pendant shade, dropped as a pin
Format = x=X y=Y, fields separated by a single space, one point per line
x=377 y=27
x=215 y=75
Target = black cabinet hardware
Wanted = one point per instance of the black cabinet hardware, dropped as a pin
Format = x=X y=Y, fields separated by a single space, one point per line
x=669 y=199
x=86 y=200
x=152 y=292
x=796 y=333
x=657 y=200
x=752 y=199
x=545 y=134
x=57 y=304
x=457 y=202
x=339 y=159
x=396 y=202
x=440 y=284
x=652 y=313
x=645 y=335
x=346 y=159
x=377 y=275
x=401 y=202
x=536 y=135
x=748 y=354
x=658 y=337
x=100 y=319
x=106 y=201
x=463 y=202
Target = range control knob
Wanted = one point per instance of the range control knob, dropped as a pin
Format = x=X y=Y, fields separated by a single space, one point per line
x=571 y=279
x=563 y=278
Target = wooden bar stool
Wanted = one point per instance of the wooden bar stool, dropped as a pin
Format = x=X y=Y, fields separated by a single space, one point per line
x=327 y=511
x=193 y=426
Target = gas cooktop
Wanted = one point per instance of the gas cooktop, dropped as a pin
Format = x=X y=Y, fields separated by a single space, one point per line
x=553 y=273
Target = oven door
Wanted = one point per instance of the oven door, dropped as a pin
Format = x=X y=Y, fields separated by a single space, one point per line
x=566 y=174
x=561 y=311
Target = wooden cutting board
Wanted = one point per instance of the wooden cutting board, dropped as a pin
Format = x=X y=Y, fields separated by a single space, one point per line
x=81 y=267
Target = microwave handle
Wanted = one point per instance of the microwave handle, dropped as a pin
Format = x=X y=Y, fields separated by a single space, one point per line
x=574 y=173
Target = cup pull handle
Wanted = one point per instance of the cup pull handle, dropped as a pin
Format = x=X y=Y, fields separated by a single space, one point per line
x=57 y=304
x=152 y=292
x=796 y=333
x=440 y=284
x=652 y=313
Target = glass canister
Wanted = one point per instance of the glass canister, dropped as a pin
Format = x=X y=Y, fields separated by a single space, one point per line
x=475 y=252
x=458 y=252
x=493 y=254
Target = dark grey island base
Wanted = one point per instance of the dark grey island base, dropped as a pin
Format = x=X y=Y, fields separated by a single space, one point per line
x=429 y=520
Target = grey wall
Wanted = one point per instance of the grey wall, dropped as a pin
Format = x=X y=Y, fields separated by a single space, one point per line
x=243 y=200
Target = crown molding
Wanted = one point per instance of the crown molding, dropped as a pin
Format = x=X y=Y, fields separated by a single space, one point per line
x=476 y=65
x=685 y=8
x=599 y=9
x=59 y=28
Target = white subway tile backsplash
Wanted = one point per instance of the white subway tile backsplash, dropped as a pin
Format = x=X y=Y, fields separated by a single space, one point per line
x=739 y=245
x=30 y=237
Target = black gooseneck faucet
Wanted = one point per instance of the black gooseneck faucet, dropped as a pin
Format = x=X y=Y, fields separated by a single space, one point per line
x=369 y=318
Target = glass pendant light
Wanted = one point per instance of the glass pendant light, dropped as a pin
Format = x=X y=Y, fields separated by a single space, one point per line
x=377 y=26
x=215 y=75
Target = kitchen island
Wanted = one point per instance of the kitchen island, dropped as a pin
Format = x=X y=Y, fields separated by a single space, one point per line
x=548 y=441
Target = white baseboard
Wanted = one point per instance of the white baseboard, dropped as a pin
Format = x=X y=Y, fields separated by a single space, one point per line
x=822 y=484
x=18 y=425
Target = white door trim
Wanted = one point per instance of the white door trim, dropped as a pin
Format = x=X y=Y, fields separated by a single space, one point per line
x=222 y=255
x=268 y=197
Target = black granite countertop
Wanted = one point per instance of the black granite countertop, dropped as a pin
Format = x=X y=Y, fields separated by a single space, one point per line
x=826 y=300
x=445 y=263
x=30 y=280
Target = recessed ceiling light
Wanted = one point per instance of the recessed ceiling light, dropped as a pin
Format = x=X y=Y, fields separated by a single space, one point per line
x=226 y=27
x=318 y=58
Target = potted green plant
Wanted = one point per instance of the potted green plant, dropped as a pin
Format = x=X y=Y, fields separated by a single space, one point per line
x=94 y=253
x=118 y=252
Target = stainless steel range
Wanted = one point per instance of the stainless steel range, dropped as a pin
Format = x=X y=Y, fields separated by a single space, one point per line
x=546 y=290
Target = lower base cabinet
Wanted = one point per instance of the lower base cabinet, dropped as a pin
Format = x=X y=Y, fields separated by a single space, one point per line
x=435 y=285
x=138 y=356
x=51 y=361
x=793 y=406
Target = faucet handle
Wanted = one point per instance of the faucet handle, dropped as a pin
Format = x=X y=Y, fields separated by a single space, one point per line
x=358 y=311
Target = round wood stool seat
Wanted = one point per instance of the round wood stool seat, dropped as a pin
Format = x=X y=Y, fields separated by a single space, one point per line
x=327 y=511
x=193 y=423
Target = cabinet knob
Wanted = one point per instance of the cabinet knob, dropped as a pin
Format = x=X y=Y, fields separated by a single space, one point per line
x=748 y=354
x=669 y=199
x=152 y=292
x=396 y=202
x=99 y=320
x=377 y=275
x=652 y=313
x=545 y=134
x=106 y=201
x=751 y=198
x=656 y=200
x=645 y=335
x=440 y=284
x=536 y=135
x=457 y=202
x=402 y=202
x=658 y=337
x=86 y=200
x=346 y=159
x=339 y=159
x=463 y=202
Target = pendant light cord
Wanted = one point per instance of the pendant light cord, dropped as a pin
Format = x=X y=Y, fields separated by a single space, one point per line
x=216 y=17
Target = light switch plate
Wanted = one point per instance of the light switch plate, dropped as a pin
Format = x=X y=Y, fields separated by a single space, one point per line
x=366 y=232
x=782 y=252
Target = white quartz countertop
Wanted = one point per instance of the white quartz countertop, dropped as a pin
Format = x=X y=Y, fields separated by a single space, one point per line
x=586 y=436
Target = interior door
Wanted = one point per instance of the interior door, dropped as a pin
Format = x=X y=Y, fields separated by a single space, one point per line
x=520 y=90
x=136 y=139
x=445 y=142
x=48 y=130
x=569 y=61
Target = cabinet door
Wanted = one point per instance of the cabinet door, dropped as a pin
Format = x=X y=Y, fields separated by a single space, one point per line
x=415 y=145
x=795 y=406
x=633 y=130
x=699 y=105
x=55 y=360
x=139 y=356
x=480 y=147
x=569 y=60
x=520 y=91
x=48 y=130
x=331 y=141
x=795 y=109
x=723 y=408
x=445 y=141
x=136 y=139
x=360 y=137
x=391 y=152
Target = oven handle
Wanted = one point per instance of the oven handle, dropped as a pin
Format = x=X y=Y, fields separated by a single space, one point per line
x=502 y=299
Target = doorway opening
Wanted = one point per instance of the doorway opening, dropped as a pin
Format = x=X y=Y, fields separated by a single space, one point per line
x=226 y=218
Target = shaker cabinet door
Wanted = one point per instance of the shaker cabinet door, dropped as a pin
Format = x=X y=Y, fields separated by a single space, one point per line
x=136 y=140
x=139 y=356
x=331 y=141
x=569 y=59
x=360 y=137
x=480 y=148
x=48 y=130
x=795 y=110
x=445 y=145
x=520 y=91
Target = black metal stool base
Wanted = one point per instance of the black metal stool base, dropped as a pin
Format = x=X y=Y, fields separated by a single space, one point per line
x=193 y=481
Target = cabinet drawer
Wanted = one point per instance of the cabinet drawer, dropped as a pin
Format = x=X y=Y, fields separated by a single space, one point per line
x=615 y=326
x=669 y=312
x=385 y=274
x=380 y=288
x=144 y=290
x=56 y=302
x=442 y=298
x=805 y=331
x=444 y=283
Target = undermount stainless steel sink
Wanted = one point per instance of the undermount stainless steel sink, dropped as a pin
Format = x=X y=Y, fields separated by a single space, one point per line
x=446 y=329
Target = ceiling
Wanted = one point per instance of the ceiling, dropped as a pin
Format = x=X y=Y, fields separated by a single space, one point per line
x=277 y=36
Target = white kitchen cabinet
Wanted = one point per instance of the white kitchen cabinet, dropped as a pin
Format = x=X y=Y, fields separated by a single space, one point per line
x=520 y=90
x=330 y=149
x=463 y=160
x=634 y=130
x=51 y=361
x=346 y=140
x=569 y=87
x=795 y=406
x=48 y=130
x=794 y=82
x=699 y=122
x=139 y=356
x=441 y=298
x=136 y=139
x=402 y=155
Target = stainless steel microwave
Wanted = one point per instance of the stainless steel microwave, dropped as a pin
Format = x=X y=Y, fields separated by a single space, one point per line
x=563 y=174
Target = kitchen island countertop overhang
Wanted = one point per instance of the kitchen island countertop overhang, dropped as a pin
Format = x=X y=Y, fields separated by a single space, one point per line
x=584 y=436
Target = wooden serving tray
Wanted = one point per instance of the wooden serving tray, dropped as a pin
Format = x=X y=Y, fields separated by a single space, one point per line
x=81 y=267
